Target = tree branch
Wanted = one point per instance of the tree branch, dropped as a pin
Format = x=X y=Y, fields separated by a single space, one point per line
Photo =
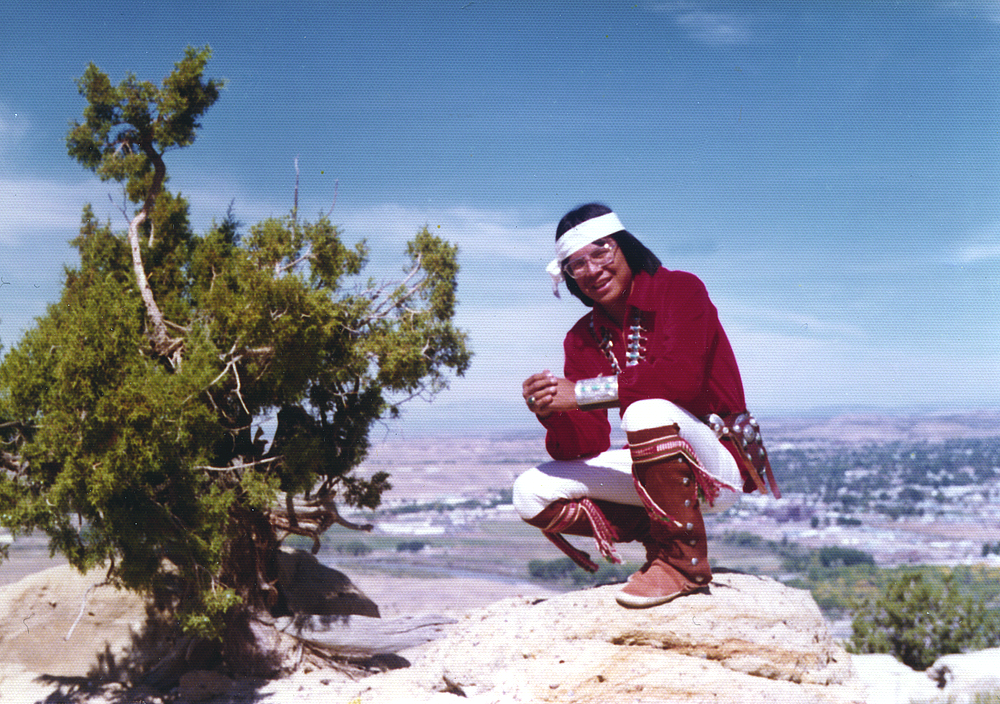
x=295 y=198
x=380 y=311
x=279 y=269
x=335 y=184
x=311 y=518
x=235 y=467
x=83 y=606
x=164 y=345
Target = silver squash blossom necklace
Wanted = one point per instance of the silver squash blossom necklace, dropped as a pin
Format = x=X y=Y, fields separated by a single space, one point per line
x=635 y=349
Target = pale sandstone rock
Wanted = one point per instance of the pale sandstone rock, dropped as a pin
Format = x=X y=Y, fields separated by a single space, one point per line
x=749 y=639
x=964 y=675
x=952 y=679
x=885 y=680
x=60 y=623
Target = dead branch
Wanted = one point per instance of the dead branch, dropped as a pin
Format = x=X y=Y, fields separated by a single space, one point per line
x=10 y=462
x=335 y=184
x=243 y=465
x=83 y=606
x=281 y=269
x=295 y=199
x=387 y=304
x=165 y=346
x=239 y=393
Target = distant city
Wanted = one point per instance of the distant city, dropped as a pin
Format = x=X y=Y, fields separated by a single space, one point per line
x=919 y=489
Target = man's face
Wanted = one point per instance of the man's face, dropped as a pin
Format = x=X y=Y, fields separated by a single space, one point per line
x=604 y=277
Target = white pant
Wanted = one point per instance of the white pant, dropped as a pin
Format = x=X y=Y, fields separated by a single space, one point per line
x=608 y=476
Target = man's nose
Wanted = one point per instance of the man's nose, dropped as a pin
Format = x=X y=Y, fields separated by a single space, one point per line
x=592 y=267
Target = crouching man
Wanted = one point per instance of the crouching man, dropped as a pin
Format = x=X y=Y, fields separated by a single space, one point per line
x=651 y=346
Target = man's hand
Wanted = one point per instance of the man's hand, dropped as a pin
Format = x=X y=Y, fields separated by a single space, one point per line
x=545 y=394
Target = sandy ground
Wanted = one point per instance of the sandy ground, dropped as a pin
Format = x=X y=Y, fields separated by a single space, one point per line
x=59 y=632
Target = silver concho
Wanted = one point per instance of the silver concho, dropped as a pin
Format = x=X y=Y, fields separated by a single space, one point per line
x=744 y=431
x=718 y=426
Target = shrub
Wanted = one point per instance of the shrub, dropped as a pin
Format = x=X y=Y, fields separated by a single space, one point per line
x=918 y=620
x=411 y=546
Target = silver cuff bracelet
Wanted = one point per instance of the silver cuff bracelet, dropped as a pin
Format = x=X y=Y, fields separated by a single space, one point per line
x=599 y=392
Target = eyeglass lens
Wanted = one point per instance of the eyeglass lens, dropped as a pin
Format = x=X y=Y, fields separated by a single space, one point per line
x=599 y=257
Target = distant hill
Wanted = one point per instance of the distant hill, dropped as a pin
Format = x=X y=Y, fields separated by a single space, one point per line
x=876 y=427
x=847 y=425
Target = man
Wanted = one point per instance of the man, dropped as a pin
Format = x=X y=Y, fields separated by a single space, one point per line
x=652 y=346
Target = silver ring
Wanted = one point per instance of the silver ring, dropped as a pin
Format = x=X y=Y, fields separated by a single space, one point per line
x=531 y=400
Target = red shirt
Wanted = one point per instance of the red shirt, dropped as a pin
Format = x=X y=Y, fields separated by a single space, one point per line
x=688 y=361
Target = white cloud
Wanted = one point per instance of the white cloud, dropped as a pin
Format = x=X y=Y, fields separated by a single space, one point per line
x=981 y=245
x=29 y=206
x=505 y=234
x=988 y=9
x=509 y=344
x=783 y=372
x=713 y=28
x=798 y=325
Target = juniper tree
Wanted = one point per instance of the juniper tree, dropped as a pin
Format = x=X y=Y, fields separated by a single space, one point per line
x=131 y=414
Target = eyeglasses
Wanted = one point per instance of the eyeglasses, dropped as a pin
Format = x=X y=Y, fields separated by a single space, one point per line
x=602 y=256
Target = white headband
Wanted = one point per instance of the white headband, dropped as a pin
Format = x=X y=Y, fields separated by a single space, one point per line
x=578 y=237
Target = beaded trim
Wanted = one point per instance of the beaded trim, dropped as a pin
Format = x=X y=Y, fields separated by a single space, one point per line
x=599 y=524
x=669 y=448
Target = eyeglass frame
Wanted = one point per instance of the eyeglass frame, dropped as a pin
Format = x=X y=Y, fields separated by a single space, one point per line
x=607 y=252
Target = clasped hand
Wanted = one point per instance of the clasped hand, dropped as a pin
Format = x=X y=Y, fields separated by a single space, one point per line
x=545 y=394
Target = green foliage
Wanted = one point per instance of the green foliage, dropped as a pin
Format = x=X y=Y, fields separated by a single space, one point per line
x=126 y=128
x=151 y=466
x=918 y=619
x=411 y=545
x=207 y=622
x=353 y=548
x=551 y=570
x=836 y=556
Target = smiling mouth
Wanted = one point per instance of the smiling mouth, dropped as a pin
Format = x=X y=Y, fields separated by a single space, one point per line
x=601 y=286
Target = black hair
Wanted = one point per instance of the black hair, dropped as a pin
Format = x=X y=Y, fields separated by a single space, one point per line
x=637 y=255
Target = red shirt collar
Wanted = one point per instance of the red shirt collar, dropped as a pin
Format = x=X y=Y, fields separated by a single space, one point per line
x=642 y=296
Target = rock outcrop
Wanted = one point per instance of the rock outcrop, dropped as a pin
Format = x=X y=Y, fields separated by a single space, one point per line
x=964 y=675
x=748 y=639
x=310 y=587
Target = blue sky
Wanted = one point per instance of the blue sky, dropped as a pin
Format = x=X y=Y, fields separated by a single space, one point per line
x=830 y=170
